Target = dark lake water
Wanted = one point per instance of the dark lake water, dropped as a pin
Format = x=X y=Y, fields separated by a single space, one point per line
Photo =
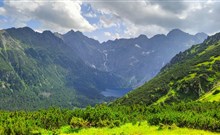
x=118 y=92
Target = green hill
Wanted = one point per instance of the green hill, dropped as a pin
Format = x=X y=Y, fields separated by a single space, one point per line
x=191 y=75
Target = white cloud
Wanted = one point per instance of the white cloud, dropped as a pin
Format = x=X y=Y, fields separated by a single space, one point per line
x=116 y=36
x=138 y=13
x=137 y=17
x=2 y=11
x=95 y=37
x=112 y=36
x=133 y=30
x=90 y=15
x=128 y=18
x=107 y=22
x=107 y=34
x=56 y=15
x=152 y=17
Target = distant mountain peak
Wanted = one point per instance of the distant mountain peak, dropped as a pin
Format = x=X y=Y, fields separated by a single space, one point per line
x=161 y=36
x=201 y=34
x=23 y=29
x=57 y=34
x=142 y=36
x=47 y=32
x=26 y=28
x=79 y=36
x=175 y=32
x=72 y=30
x=74 y=33
x=78 y=32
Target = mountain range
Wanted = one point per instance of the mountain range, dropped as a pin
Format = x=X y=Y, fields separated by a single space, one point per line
x=38 y=70
x=192 y=75
x=136 y=60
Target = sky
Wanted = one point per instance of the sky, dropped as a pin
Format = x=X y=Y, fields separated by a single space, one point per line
x=112 y=19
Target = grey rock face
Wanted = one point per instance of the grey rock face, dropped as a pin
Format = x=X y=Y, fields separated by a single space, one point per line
x=136 y=59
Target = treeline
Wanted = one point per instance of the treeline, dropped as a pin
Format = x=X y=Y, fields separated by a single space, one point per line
x=193 y=115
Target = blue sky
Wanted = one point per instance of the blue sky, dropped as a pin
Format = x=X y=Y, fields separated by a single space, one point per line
x=104 y=20
x=1 y=3
x=93 y=17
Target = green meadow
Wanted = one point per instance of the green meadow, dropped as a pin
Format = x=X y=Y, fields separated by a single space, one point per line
x=142 y=128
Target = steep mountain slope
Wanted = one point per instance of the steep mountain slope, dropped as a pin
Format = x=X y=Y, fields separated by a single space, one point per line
x=191 y=75
x=40 y=70
x=88 y=49
x=137 y=59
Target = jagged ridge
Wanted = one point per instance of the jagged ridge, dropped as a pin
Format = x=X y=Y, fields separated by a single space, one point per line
x=191 y=75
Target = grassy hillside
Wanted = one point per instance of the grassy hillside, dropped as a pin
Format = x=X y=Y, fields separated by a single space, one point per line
x=191 y=75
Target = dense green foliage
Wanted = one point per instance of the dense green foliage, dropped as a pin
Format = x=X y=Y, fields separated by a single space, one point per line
x=194 y=115
x=200 y=115
x=191 y=75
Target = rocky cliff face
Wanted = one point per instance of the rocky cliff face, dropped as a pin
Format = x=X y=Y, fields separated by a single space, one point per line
x=137 y=59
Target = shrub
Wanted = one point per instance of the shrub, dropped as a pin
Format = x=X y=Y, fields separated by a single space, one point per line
x=78 y=123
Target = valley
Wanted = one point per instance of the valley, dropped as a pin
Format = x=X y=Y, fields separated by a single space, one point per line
x=39 y=67
x=115 y=67
x=116 y=92
x=182 y=99
x=136 y=60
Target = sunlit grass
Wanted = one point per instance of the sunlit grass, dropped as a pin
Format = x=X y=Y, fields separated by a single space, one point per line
x=137 y=129
x=165 y=97
x=209 y=48
x=213 y=95
x=210 y=97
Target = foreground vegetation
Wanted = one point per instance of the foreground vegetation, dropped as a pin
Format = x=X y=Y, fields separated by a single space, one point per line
x=197 y=115
x=130 y=129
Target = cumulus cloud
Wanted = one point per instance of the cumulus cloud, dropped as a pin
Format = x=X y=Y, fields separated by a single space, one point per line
x=176 y=6
x=112 y=36
x=151 y=17
x=107 y=22
x=105 y=19
x=127 y=18
x=133 y=30
x=2 y=11
x=139 y=13
x=107 y=33
x=90 y=15
x=56 y=15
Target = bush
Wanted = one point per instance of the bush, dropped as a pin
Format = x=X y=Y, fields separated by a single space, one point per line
x=78 y=123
